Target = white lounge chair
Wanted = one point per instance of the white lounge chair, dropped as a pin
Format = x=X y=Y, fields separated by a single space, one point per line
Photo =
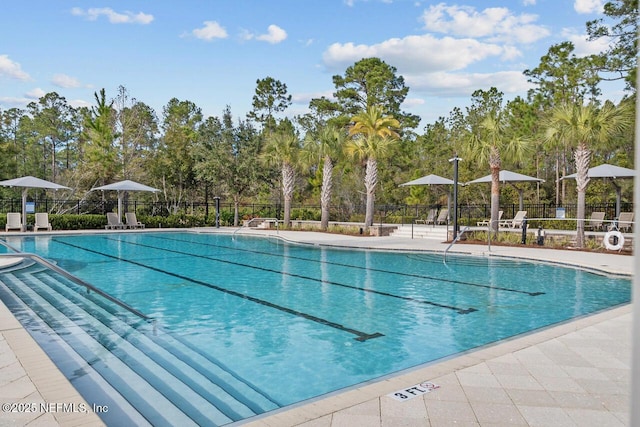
x=14 y=221
x=430 y=218
x=516 y=222
x=42 y=222
x=625 y=221
x=132 y=221
x=596 y=221
x=443 y=217
x=486 y=222
x=113 y=222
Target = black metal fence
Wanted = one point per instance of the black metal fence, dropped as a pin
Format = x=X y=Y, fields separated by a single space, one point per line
x=467 y=214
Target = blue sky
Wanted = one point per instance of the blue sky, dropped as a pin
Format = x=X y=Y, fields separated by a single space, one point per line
x=212 y=52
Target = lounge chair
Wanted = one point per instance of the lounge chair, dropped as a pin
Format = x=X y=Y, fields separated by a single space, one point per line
x=625 y=221
x=486 y=222
x=516 y=222
x=443 y=217
x=113 y=222
x=430 y=218
x=42 y=222
x=596 y=221
x=14 y=221
x=131 y=221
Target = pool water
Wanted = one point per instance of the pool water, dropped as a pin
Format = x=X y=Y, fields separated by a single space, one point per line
x=300 y=321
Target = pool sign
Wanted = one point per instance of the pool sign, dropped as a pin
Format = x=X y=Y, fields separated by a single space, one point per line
x=414 y=391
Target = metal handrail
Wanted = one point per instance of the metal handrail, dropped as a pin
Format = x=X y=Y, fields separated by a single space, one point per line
x=76 y=280
x=454 y=241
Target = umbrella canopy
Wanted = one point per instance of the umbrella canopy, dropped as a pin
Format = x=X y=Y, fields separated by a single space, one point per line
x=121 y=187
x=429 y=180
x=509 y=177
x=27 y=182
x=609 y=171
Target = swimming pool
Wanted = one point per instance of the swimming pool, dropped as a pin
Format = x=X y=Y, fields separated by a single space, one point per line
x=292 y=322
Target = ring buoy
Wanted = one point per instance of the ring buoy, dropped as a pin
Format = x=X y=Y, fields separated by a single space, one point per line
x=607 y=240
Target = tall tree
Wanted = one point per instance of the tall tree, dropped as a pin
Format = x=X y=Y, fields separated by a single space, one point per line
x=372 y=134
x=226 y=157
x=99 y=135
x=52 y=123
x=174 y=163
x=584 y=127
x=367 y=83
x=619 y=61
x=271 y=97
x=283 y=148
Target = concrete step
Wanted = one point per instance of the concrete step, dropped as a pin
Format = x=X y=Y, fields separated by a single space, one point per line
x=421 y=232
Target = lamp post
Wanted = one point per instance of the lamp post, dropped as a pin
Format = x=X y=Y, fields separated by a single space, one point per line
x=455 y=161
x=217 y=199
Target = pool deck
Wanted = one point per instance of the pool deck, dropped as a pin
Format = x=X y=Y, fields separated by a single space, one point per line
x=573 y=374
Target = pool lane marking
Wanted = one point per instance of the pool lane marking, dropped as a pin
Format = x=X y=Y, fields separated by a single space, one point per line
x=379 y=270
x=360 y=336
x=300 y=276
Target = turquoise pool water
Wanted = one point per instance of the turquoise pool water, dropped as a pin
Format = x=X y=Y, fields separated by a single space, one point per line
x=298 y=321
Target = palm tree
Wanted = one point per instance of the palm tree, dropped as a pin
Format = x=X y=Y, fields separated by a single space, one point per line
x=282 y=148
x=326 y=147
x=584 y=127
x=372 y=134
x=490 y=145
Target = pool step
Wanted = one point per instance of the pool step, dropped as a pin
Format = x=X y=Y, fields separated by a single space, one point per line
x=420 y=231
x=196 y=392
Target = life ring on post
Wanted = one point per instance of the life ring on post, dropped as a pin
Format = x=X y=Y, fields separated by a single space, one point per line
x=607 y=240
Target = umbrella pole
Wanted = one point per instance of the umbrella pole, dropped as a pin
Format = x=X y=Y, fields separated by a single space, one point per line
x=119 y=206
x=24 y=208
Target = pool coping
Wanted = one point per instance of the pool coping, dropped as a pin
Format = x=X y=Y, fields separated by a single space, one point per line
x=50 y=386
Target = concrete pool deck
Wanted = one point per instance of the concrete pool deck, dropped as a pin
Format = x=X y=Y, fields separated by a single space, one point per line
x=573 y=374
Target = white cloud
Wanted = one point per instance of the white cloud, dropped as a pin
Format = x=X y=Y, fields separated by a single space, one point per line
x=588 y=6
x=416 y=54
x=494 y=24
x=463 y=84
x=112 y=16
x=274 y=35
x=64 y=81
x=529 y=2
x=12 y=69
x=211 y=30
x=584 y=47
x=35 y=93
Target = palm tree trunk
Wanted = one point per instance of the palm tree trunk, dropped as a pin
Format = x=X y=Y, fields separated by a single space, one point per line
x=288 y=180
x=582 y=157
x=495 y=164
x=325 y=194
x=370 y=181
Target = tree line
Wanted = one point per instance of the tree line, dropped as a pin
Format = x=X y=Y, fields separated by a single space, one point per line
x=354 y=148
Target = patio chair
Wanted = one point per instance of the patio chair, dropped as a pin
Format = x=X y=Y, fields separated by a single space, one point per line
x=516 y=222
x=14 y=221
x=131 y=220
x=113 y=222
x=596 y=221
x=486 y=222
x=443 y=217
x=625 y=221
x=430 y=218
x=42 y=222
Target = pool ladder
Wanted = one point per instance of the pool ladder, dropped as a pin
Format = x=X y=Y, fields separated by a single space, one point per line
x=454 y=242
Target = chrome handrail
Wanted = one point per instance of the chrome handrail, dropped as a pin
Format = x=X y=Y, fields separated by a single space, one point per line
x=246 y=224
x=454 y=241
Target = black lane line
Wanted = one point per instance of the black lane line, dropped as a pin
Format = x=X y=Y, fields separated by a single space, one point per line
x=300 y=276
x=378 y=270
x=361 y=336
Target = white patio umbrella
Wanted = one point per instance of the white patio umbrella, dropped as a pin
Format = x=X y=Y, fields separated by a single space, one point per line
x=506 y=176
x=432 y=180
x=609 y=171
x=27 y=182
x=123 y=186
